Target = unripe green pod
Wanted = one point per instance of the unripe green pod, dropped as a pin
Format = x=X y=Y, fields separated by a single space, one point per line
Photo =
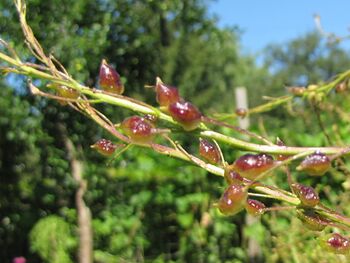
x=311 y=220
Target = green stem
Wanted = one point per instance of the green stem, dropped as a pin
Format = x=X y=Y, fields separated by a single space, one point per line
x=285 y=150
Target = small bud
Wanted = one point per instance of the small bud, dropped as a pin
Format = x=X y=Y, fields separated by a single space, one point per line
x=311 y=220
x=241 y=112
x=109 y=79
x=306 y=194
x=341 y=87
x=336 y=243
x=64 y=92
x=209 y=151
x=281 y=157
x=232 y=177
x=105 y=147
x=255 y=207
x=166 y=95
x=138 y=129
x=252 y=165
x=186 y=114
x=315 y=164
x=233 y=200
x=150 y=117
x=297 y=91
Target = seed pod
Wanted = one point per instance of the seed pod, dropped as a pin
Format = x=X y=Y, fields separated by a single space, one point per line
x=336 y=243
x=306 y=194
x=109 y=79
x=166 y=95
x=105 y=147
x=252 y=165
x=209 y=151
x=315 y=164
x=255 y=207
x=138 y=129
x=241 y=112
x=311 y=220
x=186 y=114
x=233 y=200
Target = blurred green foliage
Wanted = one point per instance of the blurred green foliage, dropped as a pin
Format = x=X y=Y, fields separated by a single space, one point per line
x=146 y=207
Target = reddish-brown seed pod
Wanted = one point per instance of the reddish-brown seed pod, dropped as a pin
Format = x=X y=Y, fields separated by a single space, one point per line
x=186 y=114
x=105 y=147
x=233 y=200
x=241 y=112
x=315 y=164
x=306 y=194
x=336 y=243
x=166 y=95
x=252 y=165
x=109 y=79
x=255 y=207
x=138 y=129
x=311 y=220
x=209 y=151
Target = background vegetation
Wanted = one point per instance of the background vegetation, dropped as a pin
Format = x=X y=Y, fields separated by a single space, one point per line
x=146 y=207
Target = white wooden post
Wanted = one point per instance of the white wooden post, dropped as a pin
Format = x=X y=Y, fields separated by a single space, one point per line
x=254 y=250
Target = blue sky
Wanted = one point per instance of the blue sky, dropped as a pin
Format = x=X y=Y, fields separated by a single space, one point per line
x=277 y=21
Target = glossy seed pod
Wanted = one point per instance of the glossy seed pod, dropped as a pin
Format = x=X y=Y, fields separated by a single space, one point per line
x=306 y=194
x=255 y=207
x=311 y=220
x=105 y=147
x=166 y=95
x=209 y=151
x=336 y=243
x=139 y=129
x=186 y=114
x=233 y=200
x=109 y=79
x=252 y=165
x=315 y=164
